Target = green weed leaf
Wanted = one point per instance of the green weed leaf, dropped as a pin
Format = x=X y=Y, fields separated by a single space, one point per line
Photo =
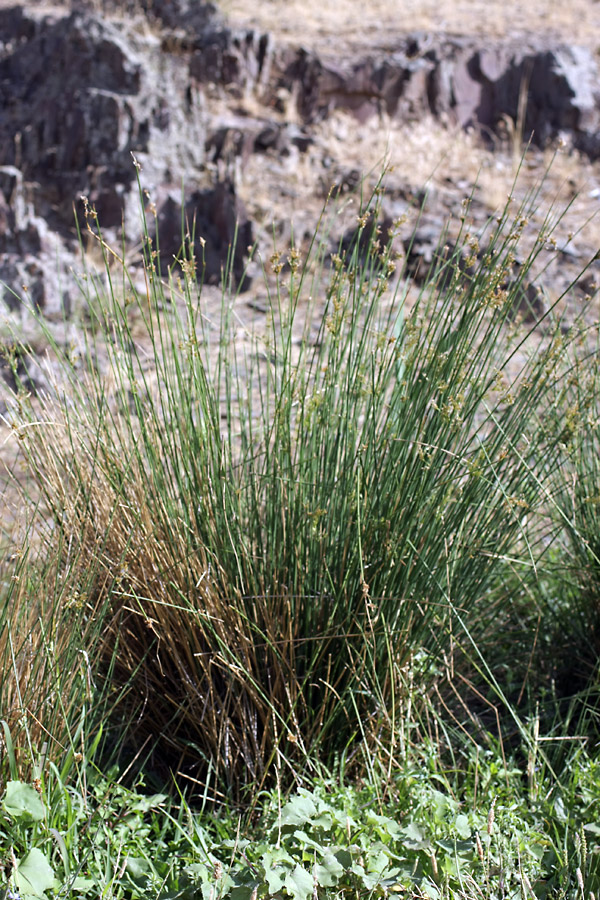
x=83 y=885
x=442 y=805
x=299 y=810
x=413 y=837
x=244 y=891
x=385 y=825
x=304 y=840
x=277 y=864
x=275 y=878
x=138 y=866
x=369 y=880
x=463 y=827
x=299 y=883
x=454 y=847
x=430 y=890
x=145 y=804
x=378 y=859
x=344 y=858
x=34 y=875
x=328 y=872
x=22 y=801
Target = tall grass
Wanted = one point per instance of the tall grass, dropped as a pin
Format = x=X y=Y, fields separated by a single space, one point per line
x=282 y=527
x=49 y=632
x=569 y=593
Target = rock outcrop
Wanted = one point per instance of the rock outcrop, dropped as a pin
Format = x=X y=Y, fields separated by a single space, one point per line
x=551 y=91
x=93 y=102
x=88 y=105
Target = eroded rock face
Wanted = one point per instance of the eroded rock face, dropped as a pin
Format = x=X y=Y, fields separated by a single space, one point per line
x=87 y=104
x=555 y=91
x=68 y=113
x=91 y=102
x=212 y=217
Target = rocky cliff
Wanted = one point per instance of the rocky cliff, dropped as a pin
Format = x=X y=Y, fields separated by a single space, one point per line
x=93 y=100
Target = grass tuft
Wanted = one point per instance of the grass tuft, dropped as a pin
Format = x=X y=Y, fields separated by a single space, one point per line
x=269 y=535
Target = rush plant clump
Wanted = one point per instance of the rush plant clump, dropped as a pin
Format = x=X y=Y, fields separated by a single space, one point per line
x=267 y=536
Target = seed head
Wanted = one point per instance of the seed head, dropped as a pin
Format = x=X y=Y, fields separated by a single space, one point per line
x=479 y=846
x=491 y=816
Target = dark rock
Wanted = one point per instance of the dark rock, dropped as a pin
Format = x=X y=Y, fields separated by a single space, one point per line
x=185 y=14
x=15 y=372
x=34 y=262
x=81 y=95
x=530 y=302
x=229 y=143
x=217 y=220
x=299 y=137
x=396 y=83
x=552 y=92
x=42 y=282
x=66 y=111
x=231 y=58
x=588 y=284
x=270 y=138
x=346 y=182
x=15 y=27
x=239 y=137
x=430 y=257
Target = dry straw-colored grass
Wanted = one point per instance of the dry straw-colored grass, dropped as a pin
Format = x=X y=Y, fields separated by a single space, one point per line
x=47 y=681
x=331 y=23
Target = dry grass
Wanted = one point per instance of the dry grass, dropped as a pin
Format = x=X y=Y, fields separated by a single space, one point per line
x=46 y=680
x=425 y=154
x=324 y=24
x=328 y=22
x=444 y=163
